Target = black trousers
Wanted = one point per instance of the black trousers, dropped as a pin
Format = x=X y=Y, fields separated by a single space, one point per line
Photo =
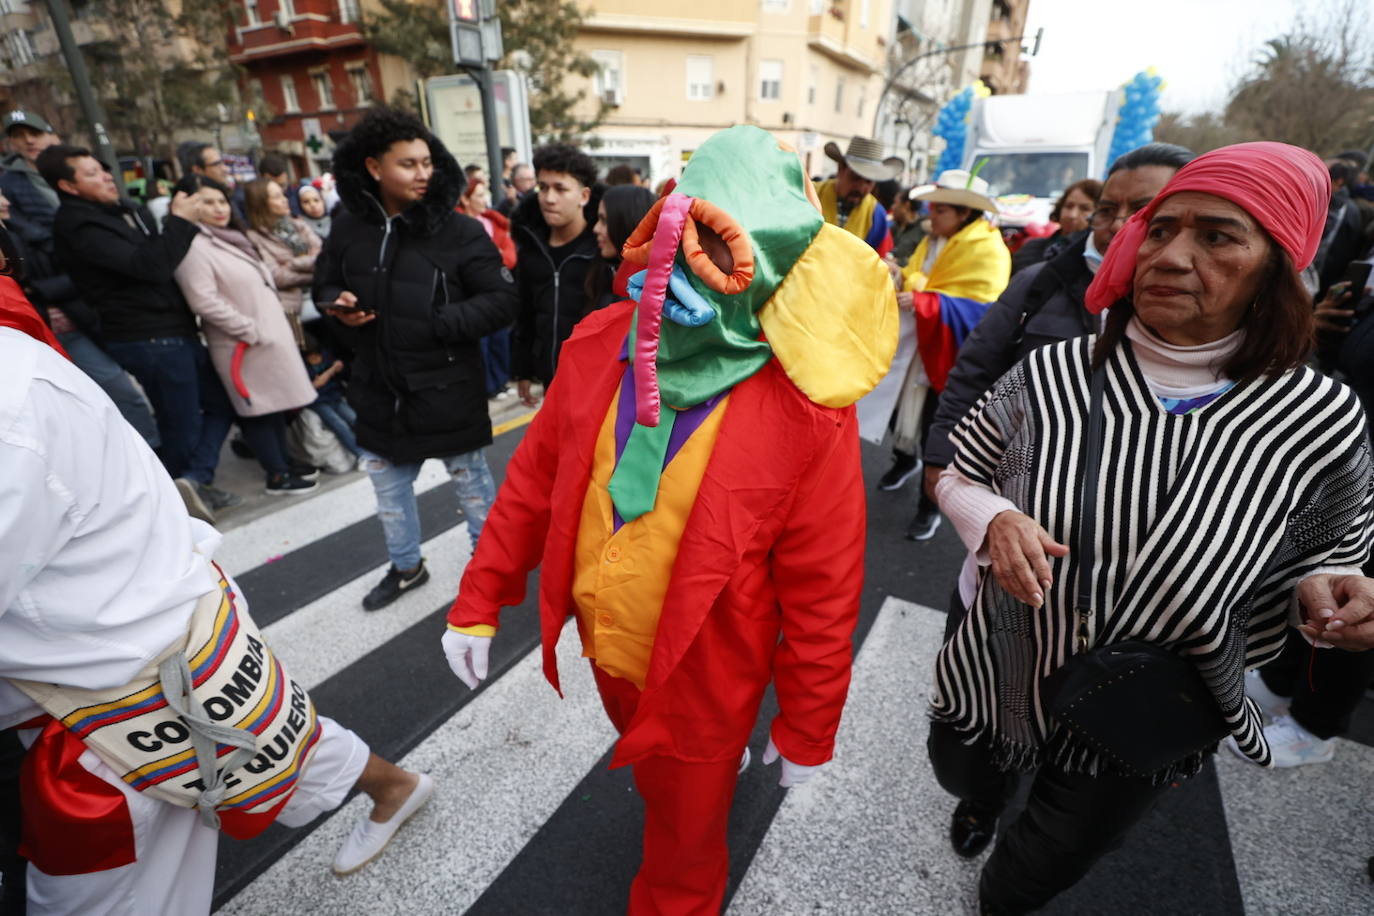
x=1070 y=821
x=266 y=436
x=932 y=403
x=1325 y=703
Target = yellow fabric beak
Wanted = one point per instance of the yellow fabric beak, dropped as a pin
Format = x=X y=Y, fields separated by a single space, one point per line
x=832 y=323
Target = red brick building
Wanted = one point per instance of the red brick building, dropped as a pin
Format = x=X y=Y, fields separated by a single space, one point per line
x=309 y=71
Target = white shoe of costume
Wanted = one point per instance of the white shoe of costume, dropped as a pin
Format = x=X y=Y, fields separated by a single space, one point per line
x=369 y=838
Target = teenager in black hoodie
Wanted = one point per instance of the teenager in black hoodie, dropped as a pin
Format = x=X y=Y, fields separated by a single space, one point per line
x=556 y=247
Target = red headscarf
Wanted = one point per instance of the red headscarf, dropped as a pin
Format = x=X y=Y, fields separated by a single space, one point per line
x=1285 y=189
x=16 y=312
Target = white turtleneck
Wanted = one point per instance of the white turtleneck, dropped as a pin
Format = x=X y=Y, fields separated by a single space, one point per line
x=1180 y=372
x=1172 y=372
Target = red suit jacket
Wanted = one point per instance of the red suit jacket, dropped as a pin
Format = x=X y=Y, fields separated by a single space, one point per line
x=768 y=575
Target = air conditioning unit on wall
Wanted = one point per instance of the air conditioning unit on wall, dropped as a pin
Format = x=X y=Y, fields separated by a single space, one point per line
x=612 y=97
x=283 y=22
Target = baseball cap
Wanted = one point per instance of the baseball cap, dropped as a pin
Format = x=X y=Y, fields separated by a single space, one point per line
x=21 y=118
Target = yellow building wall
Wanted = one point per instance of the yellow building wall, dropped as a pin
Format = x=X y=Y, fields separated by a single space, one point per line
x=656 y=113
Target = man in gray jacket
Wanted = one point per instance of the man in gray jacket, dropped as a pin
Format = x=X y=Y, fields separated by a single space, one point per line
x=1044 y=302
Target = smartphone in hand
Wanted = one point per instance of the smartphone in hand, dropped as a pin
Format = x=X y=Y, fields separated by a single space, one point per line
x=346 y=307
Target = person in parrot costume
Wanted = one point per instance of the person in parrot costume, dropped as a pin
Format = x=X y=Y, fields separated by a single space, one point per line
x=691 y=490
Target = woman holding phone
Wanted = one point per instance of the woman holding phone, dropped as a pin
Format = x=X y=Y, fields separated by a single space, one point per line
x=251 y=343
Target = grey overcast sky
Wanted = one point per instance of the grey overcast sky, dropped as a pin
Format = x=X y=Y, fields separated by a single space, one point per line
x=1200 y=47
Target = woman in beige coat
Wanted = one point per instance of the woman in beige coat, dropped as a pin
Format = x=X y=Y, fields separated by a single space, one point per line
x=231 y=289
x=286 y=245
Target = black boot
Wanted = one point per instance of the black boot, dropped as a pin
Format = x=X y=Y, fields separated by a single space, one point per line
x=972 y=829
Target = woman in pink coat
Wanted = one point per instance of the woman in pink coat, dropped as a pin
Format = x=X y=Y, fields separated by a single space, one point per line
x=250 y=341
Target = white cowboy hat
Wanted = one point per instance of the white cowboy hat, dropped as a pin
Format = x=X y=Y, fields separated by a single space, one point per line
x=865 y=157
x=959 y=188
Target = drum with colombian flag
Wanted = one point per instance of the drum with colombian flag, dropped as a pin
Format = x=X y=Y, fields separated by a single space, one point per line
x=261 y=724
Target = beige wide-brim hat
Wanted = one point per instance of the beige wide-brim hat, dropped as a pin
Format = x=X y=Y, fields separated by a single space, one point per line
x=957 y=188
x=865 y=157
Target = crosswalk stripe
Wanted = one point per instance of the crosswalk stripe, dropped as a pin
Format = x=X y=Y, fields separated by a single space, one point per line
x=500 y=768
x=1302 y=837
x=867 y=798
x=306 y=520
x=332 y=633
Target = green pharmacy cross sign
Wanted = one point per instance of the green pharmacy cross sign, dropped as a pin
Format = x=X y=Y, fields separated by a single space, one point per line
x=315 y=144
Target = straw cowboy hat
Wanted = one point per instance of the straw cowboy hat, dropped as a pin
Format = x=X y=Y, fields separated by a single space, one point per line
x=865 y=157
x=959 y=188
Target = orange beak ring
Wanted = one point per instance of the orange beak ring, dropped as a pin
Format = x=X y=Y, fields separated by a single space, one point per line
x=637 y=246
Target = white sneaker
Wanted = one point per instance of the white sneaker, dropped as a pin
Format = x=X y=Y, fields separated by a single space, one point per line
x=369 y=838
x=1294 y=746
x=1270 y=703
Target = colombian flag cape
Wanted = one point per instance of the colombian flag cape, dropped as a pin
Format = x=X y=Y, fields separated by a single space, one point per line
x=868 y=220
x=969 y=273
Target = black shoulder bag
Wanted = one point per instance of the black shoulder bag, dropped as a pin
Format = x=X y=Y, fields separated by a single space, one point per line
x=1139 y=705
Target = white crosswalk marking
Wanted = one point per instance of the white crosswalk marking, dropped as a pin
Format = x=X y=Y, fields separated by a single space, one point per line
x=307 y=520
x=867 y=835
x=500 y=767
x=1302 y=837
x=328 y=635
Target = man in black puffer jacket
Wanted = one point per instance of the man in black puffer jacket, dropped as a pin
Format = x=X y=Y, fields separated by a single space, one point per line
x=552 y=228
x=1044 y=303
x=418 y=285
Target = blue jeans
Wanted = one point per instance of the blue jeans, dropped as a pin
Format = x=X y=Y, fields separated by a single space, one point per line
x=396 y=506
x=193 y=412
x=105 y=372
x=338 y=417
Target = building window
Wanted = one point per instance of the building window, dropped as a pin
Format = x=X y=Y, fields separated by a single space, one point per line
x=287 y=8
x=610 y=76
x=817 y=7
x=839 y=95
x=19 y=48
x=770 y=79
x=863 y=14
x=288 y=94
x=349 y=11
x=324 y=92
x=811 y=87
x=361 y=81
x=250 y=9
x=775 y=6
x=700 y=82
x=8 y=6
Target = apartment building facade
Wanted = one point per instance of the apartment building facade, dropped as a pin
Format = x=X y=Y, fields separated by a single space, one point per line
x=309 y=72
x=677 y=71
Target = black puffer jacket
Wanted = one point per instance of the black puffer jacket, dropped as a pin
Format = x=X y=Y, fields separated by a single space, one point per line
x=1042 y=305
x=437 y=284
x=552 y=294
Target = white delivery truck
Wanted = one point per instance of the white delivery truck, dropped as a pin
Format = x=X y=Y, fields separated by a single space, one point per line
x=1030 y=148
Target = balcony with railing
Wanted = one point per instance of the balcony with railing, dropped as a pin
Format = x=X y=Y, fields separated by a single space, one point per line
x=282 y=28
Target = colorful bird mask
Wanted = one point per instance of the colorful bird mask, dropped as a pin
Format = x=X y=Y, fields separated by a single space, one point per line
x=796 y=288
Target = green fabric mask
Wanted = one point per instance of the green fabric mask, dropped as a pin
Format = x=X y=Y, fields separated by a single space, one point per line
x=743 y=171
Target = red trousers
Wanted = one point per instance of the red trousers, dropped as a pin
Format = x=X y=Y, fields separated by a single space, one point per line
x=686 y=811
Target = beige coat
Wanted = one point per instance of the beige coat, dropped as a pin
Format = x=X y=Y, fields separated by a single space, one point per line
x=292 y=273
x=236 y=300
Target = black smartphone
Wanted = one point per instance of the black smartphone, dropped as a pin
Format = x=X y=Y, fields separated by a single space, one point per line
x=345 y=307
x=1357 y=275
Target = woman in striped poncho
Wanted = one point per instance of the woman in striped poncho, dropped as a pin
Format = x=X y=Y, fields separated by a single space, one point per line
x=1230 y=473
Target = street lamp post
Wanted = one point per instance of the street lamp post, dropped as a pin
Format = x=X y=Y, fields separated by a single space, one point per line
x=85 y=95
x=892 y=80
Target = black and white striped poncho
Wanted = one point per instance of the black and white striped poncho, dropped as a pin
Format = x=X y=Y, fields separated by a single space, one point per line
x=1275 y=474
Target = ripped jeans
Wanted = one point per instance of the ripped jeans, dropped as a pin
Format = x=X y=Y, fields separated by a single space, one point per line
x=394 y=485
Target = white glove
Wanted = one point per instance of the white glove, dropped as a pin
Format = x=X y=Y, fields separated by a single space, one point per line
x=467 y=656
x=793 y=774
